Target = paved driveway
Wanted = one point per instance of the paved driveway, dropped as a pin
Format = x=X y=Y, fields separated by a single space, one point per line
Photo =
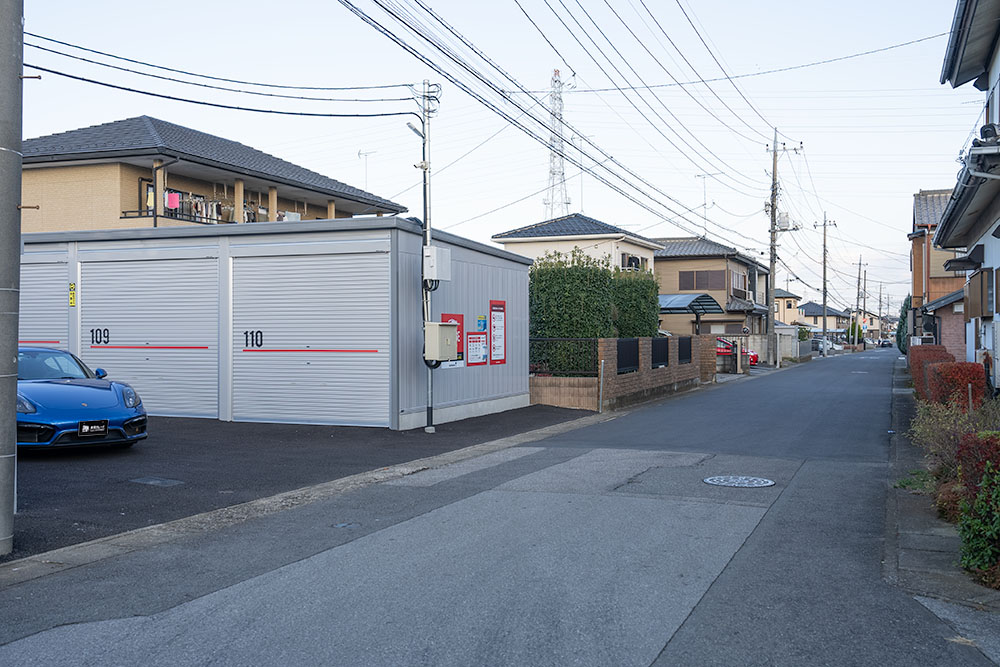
x=189 y=466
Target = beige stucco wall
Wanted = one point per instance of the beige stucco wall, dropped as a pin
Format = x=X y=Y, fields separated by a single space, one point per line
x=71 y=198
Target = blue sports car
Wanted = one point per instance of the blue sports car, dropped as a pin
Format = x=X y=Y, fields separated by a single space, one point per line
x=61 y=402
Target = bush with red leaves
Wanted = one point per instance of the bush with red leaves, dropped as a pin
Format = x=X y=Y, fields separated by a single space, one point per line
x=919 y=357
x=948 y=382
x=975 y=451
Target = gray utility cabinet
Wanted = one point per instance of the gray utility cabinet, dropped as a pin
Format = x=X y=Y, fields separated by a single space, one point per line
x=300 y=322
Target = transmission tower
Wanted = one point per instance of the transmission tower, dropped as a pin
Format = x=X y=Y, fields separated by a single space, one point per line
x=557 y=199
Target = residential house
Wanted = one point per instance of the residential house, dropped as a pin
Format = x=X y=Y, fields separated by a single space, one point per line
x=626 y=250
x=737 y=282
x=944 y=319
x=786 y=305
x=811 y=315
x=970 y=219
x=145 y=172
x=930 y=280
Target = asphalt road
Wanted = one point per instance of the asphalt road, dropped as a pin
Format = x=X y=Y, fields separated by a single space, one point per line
x=601 y=546
x=189 y=466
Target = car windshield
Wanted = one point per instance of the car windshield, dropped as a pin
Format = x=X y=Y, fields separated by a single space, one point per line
x=50 y=365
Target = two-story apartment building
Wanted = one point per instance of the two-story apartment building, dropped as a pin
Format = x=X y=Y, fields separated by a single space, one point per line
x=624 y=249
x=971 y=219
x=930 y=280
x=737 y=282
x=145 y=172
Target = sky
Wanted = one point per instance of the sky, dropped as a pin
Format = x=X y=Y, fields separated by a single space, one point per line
x=858 y=136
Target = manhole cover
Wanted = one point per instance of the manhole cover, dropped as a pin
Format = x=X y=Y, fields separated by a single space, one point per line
x=738 y=480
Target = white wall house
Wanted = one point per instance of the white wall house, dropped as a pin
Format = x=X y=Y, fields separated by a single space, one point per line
x=971 y=220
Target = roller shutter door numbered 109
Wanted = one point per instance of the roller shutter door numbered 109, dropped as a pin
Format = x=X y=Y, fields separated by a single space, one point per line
x=155 y=325
x=311 y=339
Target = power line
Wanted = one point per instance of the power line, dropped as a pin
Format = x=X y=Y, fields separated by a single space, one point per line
x=216 y=78
x=217 y=105
x=545 y=37
x=214 y=87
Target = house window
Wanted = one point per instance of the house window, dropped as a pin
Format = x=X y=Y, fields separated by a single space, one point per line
x=815 y=319
x=632 y=262
x=788 y=304
x=701 y=280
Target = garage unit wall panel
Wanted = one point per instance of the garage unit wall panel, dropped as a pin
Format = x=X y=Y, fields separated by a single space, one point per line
x=311 y=339
x=476 y=278
x=44 y=305
x=155 y=325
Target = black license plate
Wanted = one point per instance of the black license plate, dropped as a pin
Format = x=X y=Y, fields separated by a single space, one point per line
x=90 y=429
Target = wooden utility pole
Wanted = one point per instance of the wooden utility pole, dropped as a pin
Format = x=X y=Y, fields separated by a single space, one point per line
x=857 y=305
x=864 y=309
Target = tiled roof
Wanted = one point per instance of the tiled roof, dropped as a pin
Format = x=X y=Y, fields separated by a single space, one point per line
x=146 y=134
x=693 y=247
x=574 y=224
x=928 y=206
x=813 y=309
x=783 y=294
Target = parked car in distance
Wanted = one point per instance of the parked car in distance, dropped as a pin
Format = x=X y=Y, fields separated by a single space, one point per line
x=724 y=348
x=885 y=342
x=818 y=343
x=62 y=403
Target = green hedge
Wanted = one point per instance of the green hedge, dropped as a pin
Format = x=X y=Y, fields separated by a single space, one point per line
x=637 y=304
x=577 y=296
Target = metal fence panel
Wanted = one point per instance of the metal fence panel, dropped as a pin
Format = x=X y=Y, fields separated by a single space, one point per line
x=684 y=350
x=563 y=356
x=628 y=355
x=661 y=352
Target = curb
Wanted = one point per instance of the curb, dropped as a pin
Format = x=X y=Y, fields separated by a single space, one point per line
x=926 y=573
x=85 y=553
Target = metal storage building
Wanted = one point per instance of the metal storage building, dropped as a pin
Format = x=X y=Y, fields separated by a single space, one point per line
x=301 y=322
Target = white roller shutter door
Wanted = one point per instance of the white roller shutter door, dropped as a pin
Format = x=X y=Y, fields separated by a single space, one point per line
x=311 y=339
x=44 y=318
x=155 y=325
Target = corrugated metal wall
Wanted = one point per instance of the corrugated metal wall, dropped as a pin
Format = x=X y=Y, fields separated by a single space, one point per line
x=476 y=278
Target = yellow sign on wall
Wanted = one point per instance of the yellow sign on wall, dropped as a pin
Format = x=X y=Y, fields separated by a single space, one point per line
x=72 y=295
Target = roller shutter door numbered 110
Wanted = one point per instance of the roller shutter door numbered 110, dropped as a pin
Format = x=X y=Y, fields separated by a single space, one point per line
x=44 y=317
x=155 y=325
x=311 y=339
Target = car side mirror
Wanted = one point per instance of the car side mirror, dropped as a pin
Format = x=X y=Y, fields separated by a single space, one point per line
x=100 y=373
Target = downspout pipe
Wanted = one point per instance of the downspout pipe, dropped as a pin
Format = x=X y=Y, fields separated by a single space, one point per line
x=156 y=195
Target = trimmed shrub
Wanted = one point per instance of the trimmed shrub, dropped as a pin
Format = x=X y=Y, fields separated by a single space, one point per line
x=938 y=430
x=902 y=342
x=570 y=297
x=979 y=526
x=636 y=304
x=919 y=357
x=948 y=382
x=975 y=454
x=948 y=500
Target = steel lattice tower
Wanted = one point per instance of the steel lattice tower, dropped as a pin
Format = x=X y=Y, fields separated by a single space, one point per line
x=557 y=199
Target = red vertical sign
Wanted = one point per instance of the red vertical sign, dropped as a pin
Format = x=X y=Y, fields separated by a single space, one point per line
x=456 y=318
x=498 y=332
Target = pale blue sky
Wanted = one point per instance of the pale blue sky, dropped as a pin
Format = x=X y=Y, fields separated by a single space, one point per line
x=875 y=129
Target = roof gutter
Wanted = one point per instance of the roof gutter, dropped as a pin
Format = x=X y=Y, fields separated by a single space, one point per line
x=951 y=52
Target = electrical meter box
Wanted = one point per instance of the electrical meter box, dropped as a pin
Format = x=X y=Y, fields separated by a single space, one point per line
x=440 y=341
x=437 y=263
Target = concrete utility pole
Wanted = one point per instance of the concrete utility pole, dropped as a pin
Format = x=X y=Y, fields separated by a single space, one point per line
x=857 y=304
x=864 y=309
x=881 y=327
x=772 y=341
x=11 y=59
x=826 y=223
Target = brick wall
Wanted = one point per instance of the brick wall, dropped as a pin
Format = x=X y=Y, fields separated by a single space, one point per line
x=952 y=331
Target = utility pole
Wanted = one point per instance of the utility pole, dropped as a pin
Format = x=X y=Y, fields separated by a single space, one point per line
x=857 y=305
x=864 y=309
x=826 y=223
x=880 y=325
x=772 y=341
x=12 y=48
